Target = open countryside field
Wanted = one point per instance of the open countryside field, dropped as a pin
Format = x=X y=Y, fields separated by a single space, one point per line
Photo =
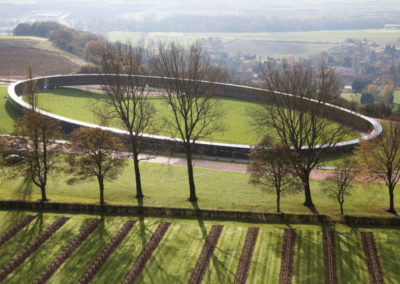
x=175 y=254
x=267 y=44
x=46 y=59
x=78 y=104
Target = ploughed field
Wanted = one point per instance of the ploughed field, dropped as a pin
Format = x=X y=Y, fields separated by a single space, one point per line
x=79 y=104
x=17 y=52
x=68 y=248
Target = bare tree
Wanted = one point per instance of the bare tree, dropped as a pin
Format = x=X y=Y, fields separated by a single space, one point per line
x=36 y=134
x=127 y=97
x=298 y=119
x=95 y=152
x=269 y=167
x=194 y=112
x=339 y=183
x=381 y=157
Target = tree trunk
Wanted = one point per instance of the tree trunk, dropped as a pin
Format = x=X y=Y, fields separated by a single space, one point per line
x=391 y=195
x=278 y=202
x=307 y=192
x=193 y=196
x=341 y=208
x=101 y=188
x=43 y=191
x=139 y=193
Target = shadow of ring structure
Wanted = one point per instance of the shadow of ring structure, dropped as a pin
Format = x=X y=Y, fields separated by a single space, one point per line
x=369 y=127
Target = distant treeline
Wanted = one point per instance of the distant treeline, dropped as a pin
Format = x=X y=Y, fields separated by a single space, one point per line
x=268 y=23
x=63 y=37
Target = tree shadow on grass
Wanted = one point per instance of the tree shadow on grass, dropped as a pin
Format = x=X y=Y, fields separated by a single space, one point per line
x=28 y=234
x=351 y=264
x=203 y=229
x=12 y=113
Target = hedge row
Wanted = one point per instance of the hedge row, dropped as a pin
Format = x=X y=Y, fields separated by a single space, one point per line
x=146 y=253
x=105 y=254
x=14 y=230
x=206 y=254
x=26 y=252
x=199 y=213
x=68 y=251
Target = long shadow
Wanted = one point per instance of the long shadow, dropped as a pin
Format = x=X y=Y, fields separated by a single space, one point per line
x=76 y=93
x=12 y=113
x=200 y=221
x=313 y=209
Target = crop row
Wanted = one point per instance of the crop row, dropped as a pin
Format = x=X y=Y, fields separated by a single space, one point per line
x=33 y=246
x=289 y=239
x=104 y=255
x=206 y=254
x=14 y=230
x=371 y=254
x=79 y=239
x=247 y=254
x=146 y=253
x=328 y=239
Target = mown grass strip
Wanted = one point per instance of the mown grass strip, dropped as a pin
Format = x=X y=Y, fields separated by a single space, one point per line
x=372 y=258
x=26 y=252
x=68 y=251
x=289 y=238
x=206 y=254
x=108 y=250
x=146 y=253
x=14 y=230
x=328 y=240
x=242 y=271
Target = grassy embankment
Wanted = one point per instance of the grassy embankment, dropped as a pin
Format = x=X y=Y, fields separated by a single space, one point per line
x=78 y=104
x=174 y=259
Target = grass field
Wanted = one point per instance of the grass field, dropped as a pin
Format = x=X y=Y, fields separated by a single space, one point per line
x=7 y=113
x=396 y=99
x=355 y=97
x=78 y=104
x=175 y=257
x=267 y=44
x=166 y=185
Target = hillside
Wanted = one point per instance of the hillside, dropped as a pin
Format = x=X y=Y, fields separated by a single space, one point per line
x=46 y=59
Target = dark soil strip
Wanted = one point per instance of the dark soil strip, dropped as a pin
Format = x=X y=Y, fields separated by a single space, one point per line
x=14 y=230
x=206 y=254
x=146 y=253
x=371 y=254
x=62 y=257
x=289 y=239
x=328 y=240
x=26 y=252
x=242 y=271
x=105 y=254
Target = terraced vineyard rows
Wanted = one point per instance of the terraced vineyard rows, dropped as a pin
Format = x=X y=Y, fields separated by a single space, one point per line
x=139 y=250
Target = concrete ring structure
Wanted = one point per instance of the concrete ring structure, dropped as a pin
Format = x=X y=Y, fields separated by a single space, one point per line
x=351 y=119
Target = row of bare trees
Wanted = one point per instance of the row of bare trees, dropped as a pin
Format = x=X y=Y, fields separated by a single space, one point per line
x=193 y=112
x=299 y=121
x=301 y=124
